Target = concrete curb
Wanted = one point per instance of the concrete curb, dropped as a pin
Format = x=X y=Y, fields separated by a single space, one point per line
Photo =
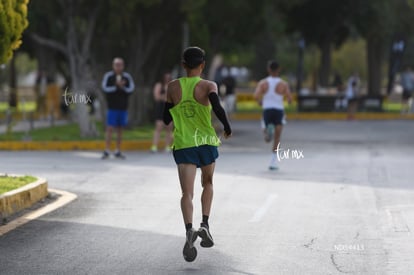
x=22 y=198
x=328 y=116
x=127 y=145
x=64 y=199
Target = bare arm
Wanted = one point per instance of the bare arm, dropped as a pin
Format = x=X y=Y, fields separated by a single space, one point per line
x=283 y=89
x=157 y=92
x=260 y=91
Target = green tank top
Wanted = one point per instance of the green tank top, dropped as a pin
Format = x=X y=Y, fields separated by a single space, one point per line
x=192 y=120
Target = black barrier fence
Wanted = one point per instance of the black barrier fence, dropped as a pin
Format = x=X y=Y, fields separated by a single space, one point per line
x=326 y=103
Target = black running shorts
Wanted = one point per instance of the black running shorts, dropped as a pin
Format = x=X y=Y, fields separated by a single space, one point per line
x=199 y=156
x=273 y=116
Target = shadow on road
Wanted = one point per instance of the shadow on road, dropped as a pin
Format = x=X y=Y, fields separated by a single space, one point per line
x=50 y=247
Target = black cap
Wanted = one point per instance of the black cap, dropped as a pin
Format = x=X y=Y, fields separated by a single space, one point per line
x=193 y=56
x=273 y=65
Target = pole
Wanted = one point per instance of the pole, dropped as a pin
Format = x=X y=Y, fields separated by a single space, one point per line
x=13 y=83
x=299 y=75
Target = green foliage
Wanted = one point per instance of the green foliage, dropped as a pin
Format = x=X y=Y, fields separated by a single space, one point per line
x=25 y=64
x=350 y=57
x=375 y=17
x=8 y=183
x=318 y=20
x=13 y=21
x=71 y=132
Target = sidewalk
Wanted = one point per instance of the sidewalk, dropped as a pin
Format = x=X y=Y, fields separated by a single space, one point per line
x=144 y=145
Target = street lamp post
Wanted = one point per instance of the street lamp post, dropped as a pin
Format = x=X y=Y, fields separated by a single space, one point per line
x=299 y=75
x=397 y=51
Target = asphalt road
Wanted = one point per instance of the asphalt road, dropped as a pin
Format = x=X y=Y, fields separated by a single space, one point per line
x=344 y=205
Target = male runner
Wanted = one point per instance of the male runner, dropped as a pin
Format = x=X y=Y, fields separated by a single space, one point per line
x=269 y=94
x=189 y=103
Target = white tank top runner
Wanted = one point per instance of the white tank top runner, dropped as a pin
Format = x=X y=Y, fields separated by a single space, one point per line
x=271 y=99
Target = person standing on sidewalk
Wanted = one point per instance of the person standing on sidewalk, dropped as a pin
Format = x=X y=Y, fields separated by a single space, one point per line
x=229 y=83
x=269 y=93
x=407 y=82
x=351 y=95
x=189 y=103
x=117 y=86
x=160 y=97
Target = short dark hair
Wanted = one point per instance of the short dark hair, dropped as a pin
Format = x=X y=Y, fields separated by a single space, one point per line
x=193 y=56
x=273 y=65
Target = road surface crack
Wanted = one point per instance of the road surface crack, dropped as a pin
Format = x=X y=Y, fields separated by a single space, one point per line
x=308 y=245
x=337 y=266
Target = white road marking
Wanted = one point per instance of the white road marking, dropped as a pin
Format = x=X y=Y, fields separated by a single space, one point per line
x=65 y=198
x=258 y=215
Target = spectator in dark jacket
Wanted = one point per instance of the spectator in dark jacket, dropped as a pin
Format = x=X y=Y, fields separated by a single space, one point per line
x=117 y=86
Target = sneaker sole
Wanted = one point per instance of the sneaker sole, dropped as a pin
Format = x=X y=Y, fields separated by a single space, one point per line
x=189 y=254
x=207 y=241
x=189 y=250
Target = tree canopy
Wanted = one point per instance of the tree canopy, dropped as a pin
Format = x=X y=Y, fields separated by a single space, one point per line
x=80 y=37
x=13 y=21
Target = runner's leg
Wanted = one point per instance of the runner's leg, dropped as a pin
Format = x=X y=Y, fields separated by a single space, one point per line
x=206 y=200
x=276 y=136
x=207 y=184
x=186 y=174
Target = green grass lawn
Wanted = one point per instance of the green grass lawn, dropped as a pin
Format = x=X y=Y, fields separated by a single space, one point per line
x=392 y=107
x=71 y=132
x=8 y=183
x=27 y=107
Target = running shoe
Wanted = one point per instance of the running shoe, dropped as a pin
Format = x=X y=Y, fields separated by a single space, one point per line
x=273 y=165
x=189 y=250
x=273 y=168
x=206 y=238
x=269 y=131
x=105 y=155
x=119 y=155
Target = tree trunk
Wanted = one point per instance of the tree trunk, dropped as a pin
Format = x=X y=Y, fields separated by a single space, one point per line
x=142 y=50
x=141 y=106
x=77 y=49
x=13 y=83
x=375 y=59
x=325 y=69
